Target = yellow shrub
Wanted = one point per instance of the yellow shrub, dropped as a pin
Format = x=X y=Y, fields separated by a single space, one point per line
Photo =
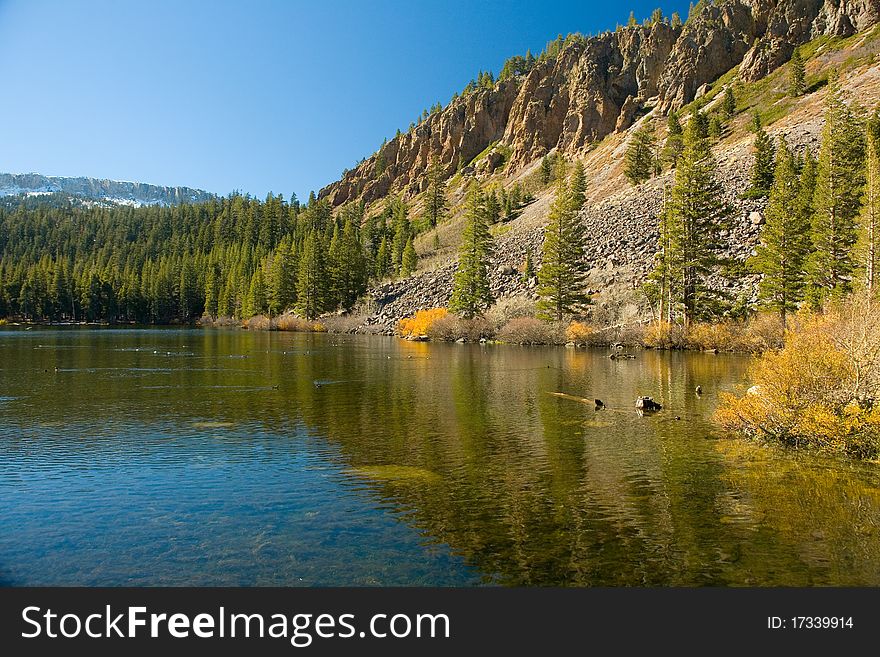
x=579 y=332
x=298 y=324
x=420 y=323
x=822 y=389
x=663 y=335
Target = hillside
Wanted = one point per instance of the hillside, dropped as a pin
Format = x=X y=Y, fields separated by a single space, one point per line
x=105 y=192
x=585 y=103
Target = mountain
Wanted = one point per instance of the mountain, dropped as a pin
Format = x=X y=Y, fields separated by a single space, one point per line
x=94 y=190
x=600 y=85
x=585 y=102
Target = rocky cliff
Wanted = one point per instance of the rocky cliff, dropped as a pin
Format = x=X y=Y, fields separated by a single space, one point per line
x=596 y=86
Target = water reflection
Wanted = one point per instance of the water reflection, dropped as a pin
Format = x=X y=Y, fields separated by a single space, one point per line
x=419 y=464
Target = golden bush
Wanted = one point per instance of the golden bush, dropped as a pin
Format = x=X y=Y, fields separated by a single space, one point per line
x=579 y=332
x=821 y=390
x=298 y=324
x=420 y=323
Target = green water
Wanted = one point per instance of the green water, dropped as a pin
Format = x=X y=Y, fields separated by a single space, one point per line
x=231 y=457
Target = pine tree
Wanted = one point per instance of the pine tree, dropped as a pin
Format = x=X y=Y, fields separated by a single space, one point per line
x=311 y=280
x=471 y=294
x=493 y=207
x=410 y=259
x=699 y=122
x=728 y=105
x=870 y=216
x=401 y=234
x=659 y=287
x=528 y=268
x=764 y=165
x=212 y=289
x=563 y=273
x=640 y=156
x=674 y=141
x=631 y=21
x=282 y=281
x=383 y=259
x=188 y=291
x=839 y=181
x=785 y=241
x=797 y=85
x=546 y=170
x=352 y=282
x=435 y=197
x=696 y=214
x=715 y=127
x=255 y=301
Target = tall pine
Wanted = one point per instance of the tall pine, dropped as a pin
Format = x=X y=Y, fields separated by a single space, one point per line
x=870 y=217
x=563 y=273
x=471 y=294
x=836 y=202
x=785 y=241
x=696 y=213
x=435 y=196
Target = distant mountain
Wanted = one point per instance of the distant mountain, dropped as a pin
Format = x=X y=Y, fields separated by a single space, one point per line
x=94 y=191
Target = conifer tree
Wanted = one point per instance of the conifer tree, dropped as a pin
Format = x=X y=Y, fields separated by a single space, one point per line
x=311 y=280
x=563 y=273
x=546 y=170
x=471 y=294
x=660 y=285
x=728 y=105
x=837 y=200
x=715 y=127
x=640 y=156
x=764 y=165
x=528 y=268
x=410 y=259
x=674 y=141
x=401 y=234
x=870 y=216
x=807 y=186
x=255 y=301
x=696 y=214
x=352 y=279
x=699 y=122
x=212 y=290
x=282 y=282
x=797 y=85
x=785 y=241
x=435 y=197
x=383 y=259
x=493 y=207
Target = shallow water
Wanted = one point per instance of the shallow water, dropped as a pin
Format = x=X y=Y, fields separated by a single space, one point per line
x=226 y=457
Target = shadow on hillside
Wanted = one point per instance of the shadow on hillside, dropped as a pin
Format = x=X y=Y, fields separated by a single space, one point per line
x=818 y=84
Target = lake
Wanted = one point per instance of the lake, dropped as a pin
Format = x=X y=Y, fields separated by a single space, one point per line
x=229 y=457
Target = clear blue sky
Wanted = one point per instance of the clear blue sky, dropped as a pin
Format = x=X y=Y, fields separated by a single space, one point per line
x=254 y=95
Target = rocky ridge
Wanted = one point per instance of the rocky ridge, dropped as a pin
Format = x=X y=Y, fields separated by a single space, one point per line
x=112 y=191
x=599 y=85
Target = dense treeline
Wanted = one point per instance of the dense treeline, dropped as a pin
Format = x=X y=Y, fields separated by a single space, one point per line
x=236 y=257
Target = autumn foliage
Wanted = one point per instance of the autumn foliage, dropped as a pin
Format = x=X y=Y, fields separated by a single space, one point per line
x=420 y=323
x=822 y=390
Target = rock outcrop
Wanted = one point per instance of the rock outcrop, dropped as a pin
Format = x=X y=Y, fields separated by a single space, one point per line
x=599 y=85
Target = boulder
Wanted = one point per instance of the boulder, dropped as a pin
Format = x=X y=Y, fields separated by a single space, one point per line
x=647 y=404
